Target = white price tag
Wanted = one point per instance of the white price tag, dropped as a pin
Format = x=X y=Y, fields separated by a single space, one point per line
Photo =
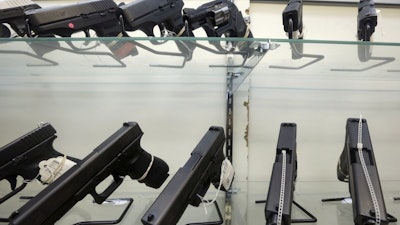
x=53 y=168
x=227 y=173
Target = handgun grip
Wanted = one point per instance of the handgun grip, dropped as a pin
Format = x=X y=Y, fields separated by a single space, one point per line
x=13 y=181
x=342 y=169
x=100 y=198
x=4 y=31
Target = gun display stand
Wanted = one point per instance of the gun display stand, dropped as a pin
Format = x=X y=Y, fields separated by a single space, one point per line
x=366 y=13
x=385 y=60
x=50 y=62
x=85 y=51
x=217 y=222
x=13 y=192
x=129 y=200
x=100 y=222
x=293 y=24
x=311 y=219
x=297 y=52
x=391 y=218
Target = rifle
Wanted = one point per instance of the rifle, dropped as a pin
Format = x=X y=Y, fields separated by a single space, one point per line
x=285 y=166
x=98 y=15
x=190 y=181
x=22 y=156
x=12 y=13
x=357 y=166
x=118 y=156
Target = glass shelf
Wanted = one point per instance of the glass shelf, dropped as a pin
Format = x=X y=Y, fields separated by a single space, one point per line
x=86 y=92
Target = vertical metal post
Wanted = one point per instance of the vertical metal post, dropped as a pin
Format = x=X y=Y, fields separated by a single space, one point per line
x=229 y=117
x=229 y=132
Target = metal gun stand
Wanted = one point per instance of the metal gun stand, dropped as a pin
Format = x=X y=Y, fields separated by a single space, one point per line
x=116 y=221
x=391 y=218
x=312 y=218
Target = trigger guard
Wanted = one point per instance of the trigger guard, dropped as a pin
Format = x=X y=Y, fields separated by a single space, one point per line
x=150 y=33
x=13 y=182
x=100 y=198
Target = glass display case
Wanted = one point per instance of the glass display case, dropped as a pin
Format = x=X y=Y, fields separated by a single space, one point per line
x=176 y=88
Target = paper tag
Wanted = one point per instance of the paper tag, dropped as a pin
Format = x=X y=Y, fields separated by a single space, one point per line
x=347 y=201
x=228 y=172
x=53 y=168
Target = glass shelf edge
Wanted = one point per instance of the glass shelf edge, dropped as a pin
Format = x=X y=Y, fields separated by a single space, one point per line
x=210 y=39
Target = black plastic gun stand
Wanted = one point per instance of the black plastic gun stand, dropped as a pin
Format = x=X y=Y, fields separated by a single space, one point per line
x=391 y=218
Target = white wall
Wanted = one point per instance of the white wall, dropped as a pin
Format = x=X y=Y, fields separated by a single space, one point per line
x=323 y=22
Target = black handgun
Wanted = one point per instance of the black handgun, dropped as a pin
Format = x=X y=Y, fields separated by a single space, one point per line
x=218 y=18
x=292 y=17
x=117 y=156
x=357 y=166
x=22 y=156
x=278 y=206
x=191 y=180
x=12 y=13
x=367 y=20
x=144 y=15
x=98 y=15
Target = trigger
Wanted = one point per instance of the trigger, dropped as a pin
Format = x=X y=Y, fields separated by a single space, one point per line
x=13 y=182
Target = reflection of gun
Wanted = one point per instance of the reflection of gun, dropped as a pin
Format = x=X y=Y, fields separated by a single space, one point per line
x=22 y=156
x=193 y=179
x=282 y=183
x=357 y=166
x=118 y=156
x=217 y=18
x=97 y=15
x=12 y=13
